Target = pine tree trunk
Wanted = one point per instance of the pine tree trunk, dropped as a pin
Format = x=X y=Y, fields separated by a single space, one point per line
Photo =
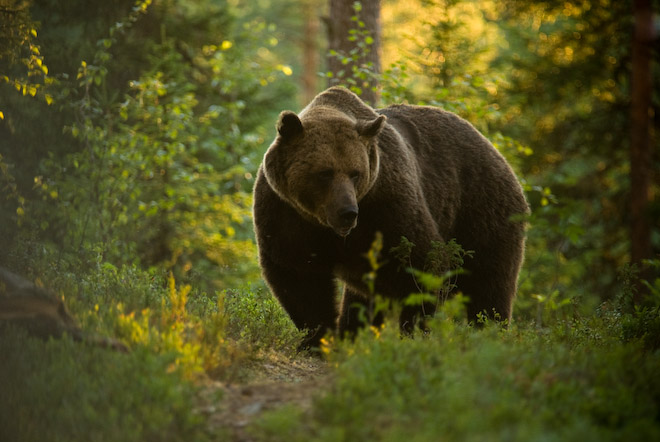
x=311 y=66
x=365 y=44
x=640 y=148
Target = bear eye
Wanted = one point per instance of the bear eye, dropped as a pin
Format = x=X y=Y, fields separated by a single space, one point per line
x=325 y=175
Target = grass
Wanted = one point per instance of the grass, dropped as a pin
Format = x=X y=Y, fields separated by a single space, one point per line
x=462 y=384
x=65 y=391
x=582 y=375
x=61 y=390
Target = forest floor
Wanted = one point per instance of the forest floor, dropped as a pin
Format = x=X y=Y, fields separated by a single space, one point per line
x=265 y=385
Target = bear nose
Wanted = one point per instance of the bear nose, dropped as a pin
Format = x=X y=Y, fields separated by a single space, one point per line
x=348 y=214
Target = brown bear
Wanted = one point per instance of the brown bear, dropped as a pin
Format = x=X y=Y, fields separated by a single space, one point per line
x=341 y=171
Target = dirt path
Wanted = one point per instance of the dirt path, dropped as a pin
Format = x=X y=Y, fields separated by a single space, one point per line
x=232 y=407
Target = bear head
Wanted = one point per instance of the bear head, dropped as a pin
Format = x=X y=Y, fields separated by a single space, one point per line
x=323 y=163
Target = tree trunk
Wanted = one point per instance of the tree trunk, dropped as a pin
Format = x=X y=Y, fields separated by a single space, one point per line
x=310 y=49
x=357 y=45
x=640 y=147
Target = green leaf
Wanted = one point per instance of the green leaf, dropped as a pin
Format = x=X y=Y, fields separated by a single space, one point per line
x=420 y=298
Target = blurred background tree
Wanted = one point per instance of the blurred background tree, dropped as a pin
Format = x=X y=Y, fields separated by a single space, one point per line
x=641 y=140
x=354 y=34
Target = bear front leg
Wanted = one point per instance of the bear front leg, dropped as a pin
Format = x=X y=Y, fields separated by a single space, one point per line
x=307 y=297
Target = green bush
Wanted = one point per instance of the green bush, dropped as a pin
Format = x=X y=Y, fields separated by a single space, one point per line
x=460 y=383
x=65 y=391
x=256 y=318
x=160 y=127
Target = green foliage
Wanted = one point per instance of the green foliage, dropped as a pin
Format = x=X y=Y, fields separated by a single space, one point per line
x=358 y=73
x=402 y=253
x=130 y=134
x=513 y=384
x=374 y=258
x=204 y=334
x=66 y=391
x=257 y=320
x=574 y=56
x=141 y=194
x=177 y=337
x=21 y=60
x=443 y=262
x=467 y=384
x=394 y=84
x=446 y=256
x=159 y=166
x=639 y=321
x=548 y=83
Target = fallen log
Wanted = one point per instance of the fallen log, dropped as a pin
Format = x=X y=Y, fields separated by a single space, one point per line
x=26 y=306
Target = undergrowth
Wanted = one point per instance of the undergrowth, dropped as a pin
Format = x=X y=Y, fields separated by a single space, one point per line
x=177 y=338
x=574 y=381
x=573 y=376
x=570 y=377
x=66 y=391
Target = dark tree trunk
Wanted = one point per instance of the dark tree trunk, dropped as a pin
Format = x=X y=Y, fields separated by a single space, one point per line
x=357 y=40
x=310 y=49
x=640 y=148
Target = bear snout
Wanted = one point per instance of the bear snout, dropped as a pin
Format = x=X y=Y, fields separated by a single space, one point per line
x=344 y=220
x=348 y=215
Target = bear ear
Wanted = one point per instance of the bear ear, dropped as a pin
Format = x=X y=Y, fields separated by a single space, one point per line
x=289 y=125
x=371 y=128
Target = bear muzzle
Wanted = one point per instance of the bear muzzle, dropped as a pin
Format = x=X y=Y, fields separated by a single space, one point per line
x=341 y=209
x=345 y=220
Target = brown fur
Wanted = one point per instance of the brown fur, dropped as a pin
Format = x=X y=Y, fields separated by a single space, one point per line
x=342 y=171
